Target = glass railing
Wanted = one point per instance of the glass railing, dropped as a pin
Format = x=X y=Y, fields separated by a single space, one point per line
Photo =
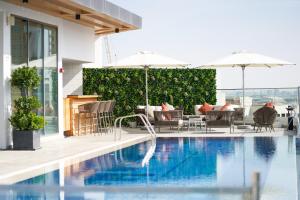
x=258 y=97
x=130 y=192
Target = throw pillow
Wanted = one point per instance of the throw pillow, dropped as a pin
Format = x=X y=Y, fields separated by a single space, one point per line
x=170 y=107
x=269 y=105
x=226 y=107
x=205 y=108
x=164 y=107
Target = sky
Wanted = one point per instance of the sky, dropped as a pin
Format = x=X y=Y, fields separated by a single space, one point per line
x=201 y=31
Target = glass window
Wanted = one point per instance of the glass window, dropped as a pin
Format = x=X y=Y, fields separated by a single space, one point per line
x=19 y=48
x=19 y=43
x=34 y=44
x=50 y=80
x=35 y=58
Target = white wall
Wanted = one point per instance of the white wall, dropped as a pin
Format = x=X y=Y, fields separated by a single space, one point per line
x=78 y=42
x=72 y=79
x=75 y=42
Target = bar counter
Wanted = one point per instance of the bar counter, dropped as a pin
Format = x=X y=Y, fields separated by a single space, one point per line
x=71 y=104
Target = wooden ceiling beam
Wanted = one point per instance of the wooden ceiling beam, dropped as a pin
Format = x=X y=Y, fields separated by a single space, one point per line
x=69 y=14
x=66 y=10
x=102 y=17
x=67 y=4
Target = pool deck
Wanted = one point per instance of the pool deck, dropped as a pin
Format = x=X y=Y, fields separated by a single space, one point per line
x=19 y=165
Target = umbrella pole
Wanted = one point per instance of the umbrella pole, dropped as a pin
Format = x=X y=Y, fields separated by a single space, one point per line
x=243 y=69
x=146 y=80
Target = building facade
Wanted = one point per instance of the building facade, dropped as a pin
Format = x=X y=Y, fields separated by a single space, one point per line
x=58 y=37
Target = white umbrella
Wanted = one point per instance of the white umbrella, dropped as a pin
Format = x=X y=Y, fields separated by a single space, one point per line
x=146 y=60
x=243 y=60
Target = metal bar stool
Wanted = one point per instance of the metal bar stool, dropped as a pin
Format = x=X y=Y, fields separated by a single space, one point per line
x=100 y=113
x=111 y=113
x=106 y=115
x=89 y=110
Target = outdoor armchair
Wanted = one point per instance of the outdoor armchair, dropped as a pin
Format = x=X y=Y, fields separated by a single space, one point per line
x=264 y=117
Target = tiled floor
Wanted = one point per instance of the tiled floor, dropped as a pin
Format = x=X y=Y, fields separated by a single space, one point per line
x=18 y=165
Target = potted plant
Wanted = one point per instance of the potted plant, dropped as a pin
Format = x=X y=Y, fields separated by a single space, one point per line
x=24 y=119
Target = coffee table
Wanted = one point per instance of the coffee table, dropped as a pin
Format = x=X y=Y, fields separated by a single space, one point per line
x=193 y=121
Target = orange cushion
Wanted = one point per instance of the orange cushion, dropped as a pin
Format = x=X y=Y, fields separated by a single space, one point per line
x=269 y=105
x=205 y=108
x=164 y=107
x=167 y=116
x=225 y=107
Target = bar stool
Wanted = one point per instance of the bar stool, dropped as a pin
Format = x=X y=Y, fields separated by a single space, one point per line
x=111 y=113
x=89 y=110
x=101 y=116
x=106 y=115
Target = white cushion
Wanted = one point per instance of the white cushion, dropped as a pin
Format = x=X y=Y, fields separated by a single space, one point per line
x=157 y=108
x=150 y=111
x=140 y=107
x=217 y=108
x=196 y=108
x=230 y=108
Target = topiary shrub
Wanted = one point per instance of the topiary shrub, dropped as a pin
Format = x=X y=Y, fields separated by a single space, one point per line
x=24 y=115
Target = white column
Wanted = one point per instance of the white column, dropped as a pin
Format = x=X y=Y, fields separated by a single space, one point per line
x=60 y=83
x=5 y=71
x=98 y=51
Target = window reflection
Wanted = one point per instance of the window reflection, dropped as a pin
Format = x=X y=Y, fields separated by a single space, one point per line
x=34 y=44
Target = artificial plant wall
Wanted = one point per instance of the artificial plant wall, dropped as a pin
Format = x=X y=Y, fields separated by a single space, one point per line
x=182 y=88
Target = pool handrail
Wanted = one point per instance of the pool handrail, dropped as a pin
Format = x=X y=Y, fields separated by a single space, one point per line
x=143 y=118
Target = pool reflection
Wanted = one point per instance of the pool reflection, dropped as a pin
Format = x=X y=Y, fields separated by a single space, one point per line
x=176 y=161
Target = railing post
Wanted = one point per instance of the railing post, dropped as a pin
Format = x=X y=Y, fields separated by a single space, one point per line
x=298 y=102
x=255 y=192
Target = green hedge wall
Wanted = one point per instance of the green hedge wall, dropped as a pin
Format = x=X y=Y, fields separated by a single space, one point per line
x=182 y=88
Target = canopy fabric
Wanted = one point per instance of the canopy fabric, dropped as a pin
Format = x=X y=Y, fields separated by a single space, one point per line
x=243 y=59
x=147 y=59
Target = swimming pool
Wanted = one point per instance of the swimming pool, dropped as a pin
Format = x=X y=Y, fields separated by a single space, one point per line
x=184 y=162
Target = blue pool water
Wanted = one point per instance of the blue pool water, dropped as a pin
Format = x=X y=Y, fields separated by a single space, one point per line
x=182 y=162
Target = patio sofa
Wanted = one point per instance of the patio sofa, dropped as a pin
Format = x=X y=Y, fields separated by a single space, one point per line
x=220 y=119
x=171 y=118
x=237 y=114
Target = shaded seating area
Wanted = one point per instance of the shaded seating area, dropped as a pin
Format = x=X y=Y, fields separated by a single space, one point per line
x=220 y=119
x=264 y=117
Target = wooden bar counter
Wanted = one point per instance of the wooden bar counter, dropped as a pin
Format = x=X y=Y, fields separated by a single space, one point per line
x=71 y=104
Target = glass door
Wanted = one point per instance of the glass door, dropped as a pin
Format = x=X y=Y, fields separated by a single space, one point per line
x=50 y=80
x=35 y=44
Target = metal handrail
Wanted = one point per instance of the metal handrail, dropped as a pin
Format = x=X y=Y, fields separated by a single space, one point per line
x=143 y=118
